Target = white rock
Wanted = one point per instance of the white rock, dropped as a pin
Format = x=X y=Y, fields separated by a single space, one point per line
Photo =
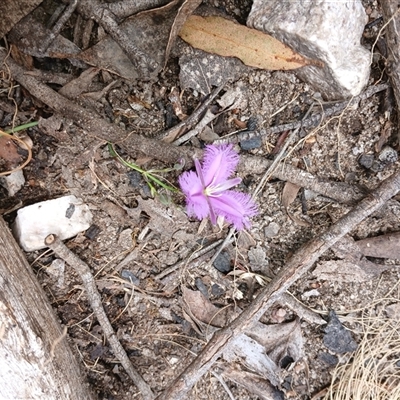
x=329 y=31
x=13 y=182
x=65 y=217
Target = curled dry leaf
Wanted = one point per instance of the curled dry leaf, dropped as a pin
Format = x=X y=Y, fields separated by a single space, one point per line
x=184 y=12
x=383 y=246
x=289 y=194
x=254 y=48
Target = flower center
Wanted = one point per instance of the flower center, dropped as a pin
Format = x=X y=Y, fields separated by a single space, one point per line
x=217 y=190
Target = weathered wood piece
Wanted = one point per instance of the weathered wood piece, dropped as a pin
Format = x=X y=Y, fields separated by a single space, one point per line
x=36 y=361
x=93 y=295
x=12 y=11
x=391 y=13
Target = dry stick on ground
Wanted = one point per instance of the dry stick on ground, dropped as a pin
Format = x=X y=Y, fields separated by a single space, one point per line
x=193 y=119
x=59 y=25
x=297 y=266
x=390 y=11
x=134 y=144
x=126 y=8
x=309 y=122
x=104 y=17
x=94 y=298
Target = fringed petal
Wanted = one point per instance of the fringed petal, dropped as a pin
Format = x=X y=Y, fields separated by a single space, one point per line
x=197 y=204
x=219 y=163
x=235 y=207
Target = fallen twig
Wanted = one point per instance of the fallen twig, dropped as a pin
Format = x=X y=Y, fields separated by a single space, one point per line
x=103 y=16
x=297 y=266
x=59 y=25
x=94 y=298
x=391 y=16
x=133 y=144
x=312 y=121
x=191 y=121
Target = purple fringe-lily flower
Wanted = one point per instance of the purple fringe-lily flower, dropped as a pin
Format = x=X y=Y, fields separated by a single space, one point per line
x=207 y=190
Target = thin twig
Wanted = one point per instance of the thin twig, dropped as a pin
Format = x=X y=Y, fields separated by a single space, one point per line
x=126 y=8
x=312 y=121
x=103 y=16
x=59 y=25
x=62 y=251
x=133 y=144
x=297 y=266
x=192 y=120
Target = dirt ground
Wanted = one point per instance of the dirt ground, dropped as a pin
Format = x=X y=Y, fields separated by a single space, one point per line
x=134 y=240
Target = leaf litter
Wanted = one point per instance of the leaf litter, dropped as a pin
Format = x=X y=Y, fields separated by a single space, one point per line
x=165 y=231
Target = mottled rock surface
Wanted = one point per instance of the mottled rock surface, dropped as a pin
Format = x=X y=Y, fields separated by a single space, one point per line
x=324 y=30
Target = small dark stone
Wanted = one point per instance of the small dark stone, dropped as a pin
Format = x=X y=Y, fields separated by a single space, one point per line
x=135 y=179
x=217 y=290
x=252 y=123
x=128 y=276
x=202 y=287
x=70 y=211
x=223 y=262
x=328 y=359
x=377 y=166
x=366 y=160
x=337 y=338
x=92 y=231
x=250 y=144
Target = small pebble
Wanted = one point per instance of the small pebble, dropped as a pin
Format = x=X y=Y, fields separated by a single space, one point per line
x=223 y=262
x=271 y=230
x=250 y=144
x=92 y=232
x=366 y=160
x=128 y=276
x=337 y=338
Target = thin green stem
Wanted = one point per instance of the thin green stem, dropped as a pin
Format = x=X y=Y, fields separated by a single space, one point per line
x=22 y=127
x=148 y=175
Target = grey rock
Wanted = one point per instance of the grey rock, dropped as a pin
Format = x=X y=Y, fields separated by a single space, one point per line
x=388 y=155
x=337 y=338
x=329 y=31
x=223 y=262
x=13 y=182
x=271 y=230
x=250 y=144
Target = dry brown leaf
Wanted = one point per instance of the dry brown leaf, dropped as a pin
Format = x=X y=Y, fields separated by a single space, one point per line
x=289 y=194
x=254 y=48
x=184 y=12
x=203 y=310
x=340 y=271
x=383 y=246
x=9 y=154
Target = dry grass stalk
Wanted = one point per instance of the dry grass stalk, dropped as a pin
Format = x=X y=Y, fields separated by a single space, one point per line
x=374 y=371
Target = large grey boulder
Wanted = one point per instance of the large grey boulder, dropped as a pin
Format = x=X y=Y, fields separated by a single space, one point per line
x=329 y=31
